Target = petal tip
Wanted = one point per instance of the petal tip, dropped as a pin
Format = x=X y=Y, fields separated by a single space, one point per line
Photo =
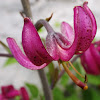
x=8 y=38
x=85 y=3
x=26 y=19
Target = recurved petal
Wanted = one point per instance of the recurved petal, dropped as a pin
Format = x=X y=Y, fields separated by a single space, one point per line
x=32 y=44
x=66 y=37
x=12 y=94
x=24 y=94
x=96 y=54
x=6 y=89
x=2 y=97
x=84 y=26
x=20 y=57
x=94 y=25
x=89 y=63
x=9 y=91
x=68 y=32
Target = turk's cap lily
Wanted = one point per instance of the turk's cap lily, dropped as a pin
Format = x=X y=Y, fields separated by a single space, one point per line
x=36 y=56
x=91 y=59
x=58 y=46
x=9 y=92
x=85 y=27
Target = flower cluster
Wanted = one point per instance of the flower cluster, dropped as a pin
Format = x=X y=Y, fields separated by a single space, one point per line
x=10 y=93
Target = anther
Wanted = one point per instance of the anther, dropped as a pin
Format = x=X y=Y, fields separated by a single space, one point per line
x=86 y=79
x=85 y=88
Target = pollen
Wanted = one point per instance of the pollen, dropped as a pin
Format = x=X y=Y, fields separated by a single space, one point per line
x=85 y=87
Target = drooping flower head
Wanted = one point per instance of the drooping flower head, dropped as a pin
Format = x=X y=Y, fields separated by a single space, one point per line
x=9 y=93
x=62 y=47
x=91 y=59
x=59 y=46
x=37 y=56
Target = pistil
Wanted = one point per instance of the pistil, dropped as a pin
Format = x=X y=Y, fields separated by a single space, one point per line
x=73 y=77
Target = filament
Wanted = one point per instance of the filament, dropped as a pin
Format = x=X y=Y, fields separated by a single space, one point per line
x=74 y=78
x=59 y=62
x=76 y=70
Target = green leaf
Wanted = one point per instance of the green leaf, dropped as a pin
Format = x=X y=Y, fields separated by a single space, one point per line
x=57 y=24
x=70 y=93
x=50 y=72
x=31 y=98
x=64 y=79
x=41 y=30
x=91 y=94
x=94 y=79
x=51 y=68
x=33 y=90
x=80 y=69
x=72 y=97
x=57 y=94
x=53 y=72
x=10 y=61
x=17 y=98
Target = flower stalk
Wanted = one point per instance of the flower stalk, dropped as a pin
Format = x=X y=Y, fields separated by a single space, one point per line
x=26 y=8
x=45 y=85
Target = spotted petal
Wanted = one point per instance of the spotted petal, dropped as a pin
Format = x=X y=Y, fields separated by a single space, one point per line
x=32 y=44
x=85 y=27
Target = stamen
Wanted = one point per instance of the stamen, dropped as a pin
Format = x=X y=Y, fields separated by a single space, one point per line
x=59 y=62
x=76 y=70
x=86 y=79
x=68 y=65
x=74 y=78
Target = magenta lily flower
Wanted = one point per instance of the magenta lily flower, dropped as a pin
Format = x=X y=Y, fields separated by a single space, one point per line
x=91 y=59
x=85 y=27
x=60 y=47
x=24 y=94
x=9 y=93
x=37 y=56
